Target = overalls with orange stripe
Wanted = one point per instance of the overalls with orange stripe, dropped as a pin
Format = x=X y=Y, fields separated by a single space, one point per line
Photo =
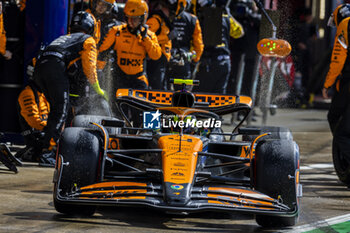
x=339 y=75
x=2 y=35
x=131 y=51
x=160 y=24
x=51 y=76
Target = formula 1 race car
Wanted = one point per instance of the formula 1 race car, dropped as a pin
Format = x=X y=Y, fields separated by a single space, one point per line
x=179 y=161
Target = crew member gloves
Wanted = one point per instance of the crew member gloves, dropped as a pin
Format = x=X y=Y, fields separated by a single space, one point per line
x=143 y=32
x=99 y=91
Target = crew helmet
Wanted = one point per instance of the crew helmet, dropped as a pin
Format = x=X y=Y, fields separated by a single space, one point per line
x=107 y=3
x=177 y=6
x=83 y=21
x=136 y=8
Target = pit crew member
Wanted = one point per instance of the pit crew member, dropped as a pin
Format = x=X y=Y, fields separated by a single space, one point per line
x=33 y=110
x=5 y=53
x=160 y=24
x=51 y=76
x=188 y=46
x=215 y=64
x=132 y=43
x=339 y=76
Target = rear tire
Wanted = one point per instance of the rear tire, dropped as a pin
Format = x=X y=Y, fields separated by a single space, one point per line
x=276 y=161
x=81 y=149
x=341 y=164
x=276 y=133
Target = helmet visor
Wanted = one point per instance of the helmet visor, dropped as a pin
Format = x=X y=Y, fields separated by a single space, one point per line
x=331 y=22
x=134 y=21
x=103 y=7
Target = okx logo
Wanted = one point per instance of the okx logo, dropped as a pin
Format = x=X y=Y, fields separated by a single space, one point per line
x=151 y=120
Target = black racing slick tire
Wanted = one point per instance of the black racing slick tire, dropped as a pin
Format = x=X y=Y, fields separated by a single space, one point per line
x=80 y=151
x=276 y=166
x=276 y=133
x=341 y=164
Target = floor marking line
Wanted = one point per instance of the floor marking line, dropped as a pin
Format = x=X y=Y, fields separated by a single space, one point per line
x=321 y=223
x=317 y=166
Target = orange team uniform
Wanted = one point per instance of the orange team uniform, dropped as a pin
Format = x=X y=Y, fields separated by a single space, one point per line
x=131 y=52
x=189 y=39
x=2 y=36
x=22 y=5
x=97 y=34
x=34 y=110
x=34 y=113
x=339 y=74
x=159 y=27
x=52 y=79
x=197 y=41
x=339 y=55
x=190 y=34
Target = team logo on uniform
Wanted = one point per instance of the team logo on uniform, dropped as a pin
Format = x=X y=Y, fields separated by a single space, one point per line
x=151 y=120
x=130 y=62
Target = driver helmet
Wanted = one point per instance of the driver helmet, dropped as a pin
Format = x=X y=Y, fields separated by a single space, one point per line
x=189 y=127
x=173 y=129
x=204 y=132
x=340 y=13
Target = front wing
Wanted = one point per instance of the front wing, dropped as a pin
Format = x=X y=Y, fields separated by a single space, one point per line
x=203 y=198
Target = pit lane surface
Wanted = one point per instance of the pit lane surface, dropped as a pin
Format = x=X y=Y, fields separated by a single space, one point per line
x=26 y=198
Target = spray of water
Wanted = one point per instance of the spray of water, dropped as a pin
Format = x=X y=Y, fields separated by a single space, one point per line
x=106 y=79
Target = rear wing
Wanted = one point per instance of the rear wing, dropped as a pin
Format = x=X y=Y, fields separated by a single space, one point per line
x=217 y=103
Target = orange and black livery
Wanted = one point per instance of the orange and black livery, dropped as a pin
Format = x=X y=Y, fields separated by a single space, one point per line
x=188 y=164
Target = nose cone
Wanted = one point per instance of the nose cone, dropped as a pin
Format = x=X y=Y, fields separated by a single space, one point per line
x=179 y=161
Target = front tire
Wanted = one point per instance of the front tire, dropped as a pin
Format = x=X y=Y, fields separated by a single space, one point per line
x=81 y=149
x=277 y=163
